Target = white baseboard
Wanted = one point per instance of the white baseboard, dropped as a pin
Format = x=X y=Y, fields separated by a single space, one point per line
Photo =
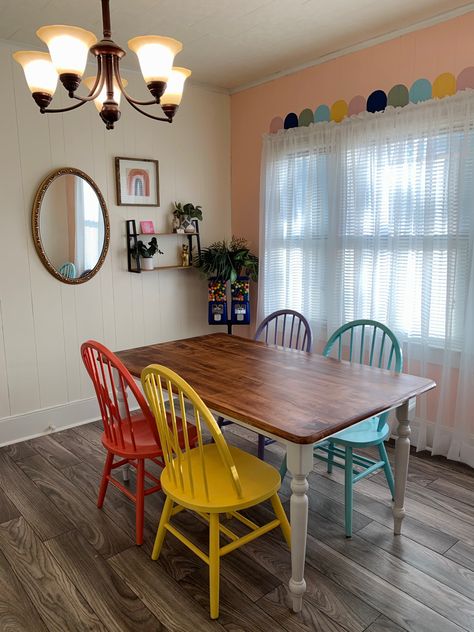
x=47 y=420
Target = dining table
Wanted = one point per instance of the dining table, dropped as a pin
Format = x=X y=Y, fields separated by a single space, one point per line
x=295 y=397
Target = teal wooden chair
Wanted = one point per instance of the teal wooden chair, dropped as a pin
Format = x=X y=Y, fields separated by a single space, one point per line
x=68 y=270
x=366 y=342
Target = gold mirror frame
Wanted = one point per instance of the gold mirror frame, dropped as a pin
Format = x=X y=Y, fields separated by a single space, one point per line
x=35 y=224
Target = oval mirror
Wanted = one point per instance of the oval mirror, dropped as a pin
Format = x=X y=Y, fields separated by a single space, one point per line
x=70 y=225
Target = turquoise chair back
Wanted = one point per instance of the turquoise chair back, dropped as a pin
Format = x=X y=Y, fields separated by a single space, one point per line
x=68 y=270
x=366 y=342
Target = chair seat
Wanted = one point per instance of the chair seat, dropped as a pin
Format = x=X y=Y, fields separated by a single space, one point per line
x=145 y=439
x=364 y=433
x=259 y=481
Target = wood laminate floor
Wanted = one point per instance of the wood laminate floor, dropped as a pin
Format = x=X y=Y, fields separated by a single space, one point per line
x=67 y=566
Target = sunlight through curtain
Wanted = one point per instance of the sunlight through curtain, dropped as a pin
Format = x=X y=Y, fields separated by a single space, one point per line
x=374 y=218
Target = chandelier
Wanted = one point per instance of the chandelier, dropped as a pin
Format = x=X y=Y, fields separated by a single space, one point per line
x=68 y=50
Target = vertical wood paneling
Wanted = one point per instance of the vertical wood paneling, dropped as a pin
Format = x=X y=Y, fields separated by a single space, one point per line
x=19 y=336
x=34 y=135
x=4 y=395
x=45 y=321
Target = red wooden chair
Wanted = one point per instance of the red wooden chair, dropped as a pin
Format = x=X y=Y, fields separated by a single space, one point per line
x=130 y=436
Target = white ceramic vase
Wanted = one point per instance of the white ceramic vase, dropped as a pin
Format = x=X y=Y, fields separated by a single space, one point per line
x=146 y=263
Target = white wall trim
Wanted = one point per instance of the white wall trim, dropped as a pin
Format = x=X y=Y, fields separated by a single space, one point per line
x=373 y=41
x=47 y=420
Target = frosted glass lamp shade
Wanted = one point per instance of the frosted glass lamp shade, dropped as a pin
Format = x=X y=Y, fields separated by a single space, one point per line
x=40 y=73
x=68 y=47
x=99 y=101
x=156 y=55
x=174 y=88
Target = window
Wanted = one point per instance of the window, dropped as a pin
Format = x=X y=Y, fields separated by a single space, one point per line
x=371 y=224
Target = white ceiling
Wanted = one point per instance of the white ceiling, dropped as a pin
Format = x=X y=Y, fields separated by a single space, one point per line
x=232 y=43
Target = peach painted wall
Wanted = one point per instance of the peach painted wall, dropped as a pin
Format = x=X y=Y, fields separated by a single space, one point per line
x=446 y=47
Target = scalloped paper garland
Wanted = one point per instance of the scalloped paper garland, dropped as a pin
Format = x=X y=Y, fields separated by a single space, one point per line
x=399 y=95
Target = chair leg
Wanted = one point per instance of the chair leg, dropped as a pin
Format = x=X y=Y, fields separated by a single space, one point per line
x=140 y=501
x=261 y=447
x=348 y=491
x=105 y=479
x=161 y=531
x=214 y=560
x=387 y=469
x=282 y=517
x=283 y=468
x=330 y=457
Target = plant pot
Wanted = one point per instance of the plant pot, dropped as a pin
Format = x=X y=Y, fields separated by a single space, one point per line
x=190 y=229
x=146 y=263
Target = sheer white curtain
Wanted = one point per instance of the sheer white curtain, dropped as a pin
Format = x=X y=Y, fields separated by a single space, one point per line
x=374 y=218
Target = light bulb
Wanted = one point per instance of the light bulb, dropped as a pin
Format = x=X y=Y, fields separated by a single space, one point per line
x=175 y=85
x=99 y=100
x=40 y=73
x=156 y=55
x=68 y=47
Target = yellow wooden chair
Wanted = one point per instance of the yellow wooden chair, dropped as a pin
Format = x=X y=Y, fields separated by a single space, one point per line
x=210 y=479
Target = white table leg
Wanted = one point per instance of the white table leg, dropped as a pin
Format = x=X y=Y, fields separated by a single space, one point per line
x=123 y=412
x=300 y=463
x=405 y=414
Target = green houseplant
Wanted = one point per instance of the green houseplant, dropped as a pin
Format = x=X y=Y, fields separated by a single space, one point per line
x=146 y=252
x=185 y=213
x=228 y=260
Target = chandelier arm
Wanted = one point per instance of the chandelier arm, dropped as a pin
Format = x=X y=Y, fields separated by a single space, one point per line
x=97 y=87
x=122 y=87
x=155 y=118
x=57 y=110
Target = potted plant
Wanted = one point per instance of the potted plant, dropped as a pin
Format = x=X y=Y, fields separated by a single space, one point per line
x=228 y=260
x=146 y=253
x=184 y=214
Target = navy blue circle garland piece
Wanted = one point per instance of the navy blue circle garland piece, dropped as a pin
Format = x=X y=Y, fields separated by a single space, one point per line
x=377 y=101
x=291 y=120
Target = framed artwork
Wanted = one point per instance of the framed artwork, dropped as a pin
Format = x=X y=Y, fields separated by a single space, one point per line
x=137 y=182
x=147 y=227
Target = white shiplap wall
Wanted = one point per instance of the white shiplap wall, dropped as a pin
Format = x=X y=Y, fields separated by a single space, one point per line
x=43 y=321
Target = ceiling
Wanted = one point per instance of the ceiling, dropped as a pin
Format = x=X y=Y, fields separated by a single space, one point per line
x=232 y=43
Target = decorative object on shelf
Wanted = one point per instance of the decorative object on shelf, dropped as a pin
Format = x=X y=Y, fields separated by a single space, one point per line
x=229 y=262
x=70 y=225
x=68 y=50
x=147 y=227
x=175 y=224
x=240 y=305
x=185 y=255
x=217 y=298
x=146 y=253
x=135 y=264
x=137 y=182
x=184 y=216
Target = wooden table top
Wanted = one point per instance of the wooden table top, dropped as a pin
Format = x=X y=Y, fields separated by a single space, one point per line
x=302 y=397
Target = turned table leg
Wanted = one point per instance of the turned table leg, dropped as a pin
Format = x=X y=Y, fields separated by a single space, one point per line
x=405 y=414
x=300 y=463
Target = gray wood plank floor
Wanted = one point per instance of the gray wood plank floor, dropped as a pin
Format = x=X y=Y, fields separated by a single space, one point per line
x=67 y=566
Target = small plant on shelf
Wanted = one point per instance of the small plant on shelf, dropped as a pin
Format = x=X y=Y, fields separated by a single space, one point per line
x=184 y=214
x=146 y=252
x=228 y=260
